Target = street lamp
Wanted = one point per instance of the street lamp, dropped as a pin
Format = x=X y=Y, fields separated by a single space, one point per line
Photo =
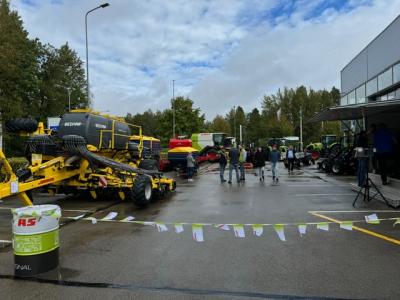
x=104 y=5
x=69 y=94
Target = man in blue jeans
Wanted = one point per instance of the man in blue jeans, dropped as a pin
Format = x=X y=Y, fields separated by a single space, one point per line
x=274 y=157
x=233 y=163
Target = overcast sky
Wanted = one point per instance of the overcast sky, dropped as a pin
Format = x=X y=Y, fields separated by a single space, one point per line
x=220 y=53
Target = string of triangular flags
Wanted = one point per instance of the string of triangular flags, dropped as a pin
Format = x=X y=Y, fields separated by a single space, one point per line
x=238 y=229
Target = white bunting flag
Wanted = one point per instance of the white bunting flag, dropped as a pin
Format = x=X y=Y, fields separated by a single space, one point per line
x=346 y=225
x=94 y=220
x=78 y=217
x=110 y=216
x=223 y=226
x=397 y=222
x=258 y=229
x=161 y=227
x=323 y=226
x=372 y=219
x=279 y=228
x=149 y=223
x=128 y=219
x=239 y=230
x=197 y=230
x=302 y=229
x=178 y=228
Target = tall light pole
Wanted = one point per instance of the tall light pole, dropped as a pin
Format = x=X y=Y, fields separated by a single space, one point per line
x=301 y=129
x=104 y=5
x=69 y=94
x=234 y=120
x=173 y=109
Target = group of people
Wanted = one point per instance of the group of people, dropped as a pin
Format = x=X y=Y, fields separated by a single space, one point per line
x=237 y=157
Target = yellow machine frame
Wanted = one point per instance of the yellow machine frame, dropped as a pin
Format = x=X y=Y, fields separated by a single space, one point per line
x=56 y=171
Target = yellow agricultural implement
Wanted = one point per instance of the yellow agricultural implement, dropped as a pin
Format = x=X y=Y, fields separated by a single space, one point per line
x=91 y=153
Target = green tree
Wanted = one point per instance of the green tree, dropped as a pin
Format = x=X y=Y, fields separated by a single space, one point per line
x=219 y=124
x=148 y=120
x=18 y=64
x=60 y=70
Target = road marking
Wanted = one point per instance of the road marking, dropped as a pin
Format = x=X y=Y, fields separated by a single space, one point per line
x=353 y=211
x=369 y=232
x=300 y=195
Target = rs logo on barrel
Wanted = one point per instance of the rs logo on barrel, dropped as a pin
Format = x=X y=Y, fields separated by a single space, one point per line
x=27 y=222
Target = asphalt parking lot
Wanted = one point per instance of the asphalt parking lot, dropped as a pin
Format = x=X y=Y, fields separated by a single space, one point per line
x=124 y=260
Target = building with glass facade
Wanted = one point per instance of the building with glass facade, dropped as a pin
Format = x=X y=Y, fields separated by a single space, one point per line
x=374 y=74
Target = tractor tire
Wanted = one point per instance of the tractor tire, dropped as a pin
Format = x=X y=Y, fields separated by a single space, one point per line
x=336 y=169
x=149 y=164
x=142 y=191
x=21 y=125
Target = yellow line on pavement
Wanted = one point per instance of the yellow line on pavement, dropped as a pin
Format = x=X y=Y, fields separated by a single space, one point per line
x=369 y=232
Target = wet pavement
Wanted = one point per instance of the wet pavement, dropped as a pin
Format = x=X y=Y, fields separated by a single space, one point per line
x=123 y=260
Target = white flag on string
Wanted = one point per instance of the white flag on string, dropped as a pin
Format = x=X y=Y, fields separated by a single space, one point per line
x=258 y=229
x=197 y=230
x=323 y=226
x=223 y=226
x=128 y=219
x=161 y=227
x=239 y=230
x=280 y=230
x=178 y=228
x=110 y=216
x=94 y=220
x=302 y=229
x=346 y=225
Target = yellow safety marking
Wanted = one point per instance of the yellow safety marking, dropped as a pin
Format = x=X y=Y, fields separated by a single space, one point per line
x=369 y=232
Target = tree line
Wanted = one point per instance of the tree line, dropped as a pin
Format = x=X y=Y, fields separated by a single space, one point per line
x=279 y=116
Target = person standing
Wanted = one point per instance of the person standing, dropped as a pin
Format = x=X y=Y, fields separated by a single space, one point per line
x=290 y=156
x=274 y=157
x=233 y=164
x=190 y=166
x=384 y=143
x=223 y=161
x=363 y=161
x=242 y=161
x=259 y=162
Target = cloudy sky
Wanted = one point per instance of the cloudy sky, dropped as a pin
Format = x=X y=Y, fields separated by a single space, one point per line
x=220 y=53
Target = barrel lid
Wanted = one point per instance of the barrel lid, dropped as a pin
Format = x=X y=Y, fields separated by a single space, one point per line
x=50 y=210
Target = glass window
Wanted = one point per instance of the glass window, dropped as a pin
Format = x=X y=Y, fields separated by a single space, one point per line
x=382 y=98
x=360 y=94
x=385 y=79
x=343 y=100
x=396 y=73
x=398 y=94
x=372 y=86
x=351 y=97
x=391 y=96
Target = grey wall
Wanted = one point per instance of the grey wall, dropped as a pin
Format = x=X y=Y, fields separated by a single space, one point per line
x=380 y=54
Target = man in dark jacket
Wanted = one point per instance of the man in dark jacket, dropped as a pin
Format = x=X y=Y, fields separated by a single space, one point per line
x=259 y=162
x=223 y=161
x=233 y=163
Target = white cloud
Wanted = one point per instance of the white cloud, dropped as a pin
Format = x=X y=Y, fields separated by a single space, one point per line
x=221 y=53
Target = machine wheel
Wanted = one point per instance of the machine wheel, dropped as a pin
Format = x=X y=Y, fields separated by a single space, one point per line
x=336 y=169
x=21 y=124
x=142 y=191
x=149 y=164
